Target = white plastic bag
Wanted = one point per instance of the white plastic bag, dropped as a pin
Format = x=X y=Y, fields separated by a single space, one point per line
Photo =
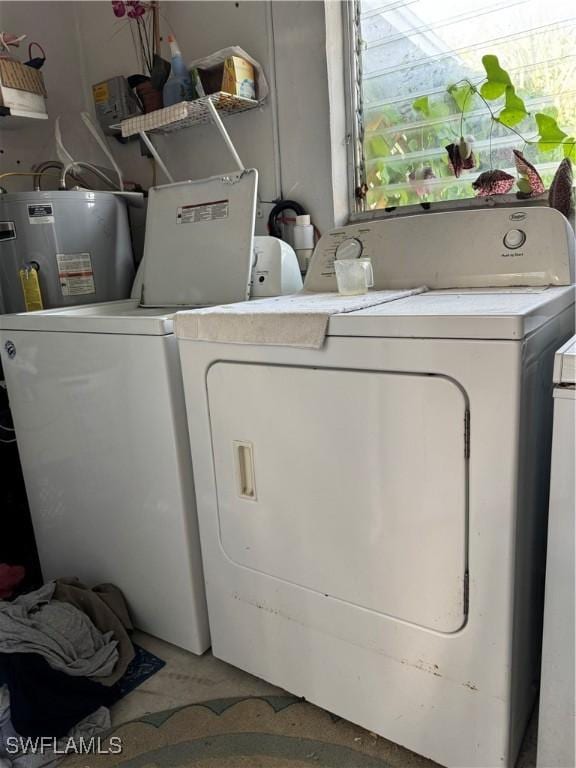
x=234 y=50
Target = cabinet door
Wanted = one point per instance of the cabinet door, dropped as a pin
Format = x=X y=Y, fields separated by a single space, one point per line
x=349 y=483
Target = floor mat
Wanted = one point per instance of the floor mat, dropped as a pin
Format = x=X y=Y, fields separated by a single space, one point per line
x=271 y=732
x=143 y=665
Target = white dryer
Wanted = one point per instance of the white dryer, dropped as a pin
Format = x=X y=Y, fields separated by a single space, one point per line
x=373 y=512
x=98 y=406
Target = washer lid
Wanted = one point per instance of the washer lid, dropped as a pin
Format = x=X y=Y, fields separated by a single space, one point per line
x=122 y=317
x=565 y=363
x=199 y=238
x=504 y=313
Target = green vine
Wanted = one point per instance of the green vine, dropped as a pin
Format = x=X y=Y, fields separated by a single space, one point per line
x=498 y=83
x=477 y=121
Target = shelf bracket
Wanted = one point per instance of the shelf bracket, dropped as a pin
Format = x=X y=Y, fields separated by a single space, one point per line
x=154 y=152
x=217 y=121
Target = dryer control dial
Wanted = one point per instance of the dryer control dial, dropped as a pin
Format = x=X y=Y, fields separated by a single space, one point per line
x=349 y=249
x=514 y=238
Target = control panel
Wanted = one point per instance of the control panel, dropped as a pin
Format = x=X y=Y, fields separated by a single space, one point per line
x=492 y=247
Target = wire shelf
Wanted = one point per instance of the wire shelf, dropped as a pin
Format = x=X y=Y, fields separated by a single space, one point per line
x=185 y=114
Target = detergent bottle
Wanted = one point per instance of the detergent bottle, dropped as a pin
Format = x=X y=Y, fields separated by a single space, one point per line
x=179 y=86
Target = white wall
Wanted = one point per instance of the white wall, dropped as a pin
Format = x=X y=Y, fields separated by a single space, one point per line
x=304 y=115
x=53 y=25
x=292 y=148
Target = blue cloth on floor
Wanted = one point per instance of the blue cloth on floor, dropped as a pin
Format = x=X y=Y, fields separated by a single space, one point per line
x=143 y=665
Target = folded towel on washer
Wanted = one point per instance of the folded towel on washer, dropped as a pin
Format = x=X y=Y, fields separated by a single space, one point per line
x=297 y=320
x=58 y=631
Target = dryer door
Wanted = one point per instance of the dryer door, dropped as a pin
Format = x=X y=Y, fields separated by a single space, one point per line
x=349 y=483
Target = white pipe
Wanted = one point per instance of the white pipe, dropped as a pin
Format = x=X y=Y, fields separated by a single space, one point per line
x=81 y=164
x=103 y=146
x=156 y=156
x=63 y=155
x=224 y=133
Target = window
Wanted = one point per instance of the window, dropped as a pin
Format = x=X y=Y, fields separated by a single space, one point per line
x=412 y=63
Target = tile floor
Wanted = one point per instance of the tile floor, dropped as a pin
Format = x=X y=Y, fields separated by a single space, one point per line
x=187 y=679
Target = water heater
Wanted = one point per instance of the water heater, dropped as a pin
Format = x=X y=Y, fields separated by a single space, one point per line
x=60 y=249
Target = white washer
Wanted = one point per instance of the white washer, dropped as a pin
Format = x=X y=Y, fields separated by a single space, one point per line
x=372 y=513
x=98 y=406
x=556 y=721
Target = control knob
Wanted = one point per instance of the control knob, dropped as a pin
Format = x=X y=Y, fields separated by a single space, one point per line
x=351 y=248
x=514 y=238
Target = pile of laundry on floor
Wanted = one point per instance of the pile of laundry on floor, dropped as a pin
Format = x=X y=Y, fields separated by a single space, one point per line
x=63 y=649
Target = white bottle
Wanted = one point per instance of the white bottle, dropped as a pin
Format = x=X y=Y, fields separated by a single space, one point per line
x=303 y=234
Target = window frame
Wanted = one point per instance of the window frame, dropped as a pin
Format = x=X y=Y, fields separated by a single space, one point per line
x=357 y=211
x=353 y=104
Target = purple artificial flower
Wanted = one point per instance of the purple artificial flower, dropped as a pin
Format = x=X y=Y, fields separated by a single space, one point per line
x=527 y=170
x=495 y=182
x=420 y=180
x=119 y=8
x=459 y=162
x=136 y=9
x=560 y=195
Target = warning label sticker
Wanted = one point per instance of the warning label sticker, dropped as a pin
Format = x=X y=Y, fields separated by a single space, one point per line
x=75 y=273
x=40 y=213
x=100 y=91
x=31 y=289
x=192 y=214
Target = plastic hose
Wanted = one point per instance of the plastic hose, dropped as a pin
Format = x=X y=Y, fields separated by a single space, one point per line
x=103 y=146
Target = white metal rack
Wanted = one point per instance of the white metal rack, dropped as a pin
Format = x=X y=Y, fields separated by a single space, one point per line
x=184 y=115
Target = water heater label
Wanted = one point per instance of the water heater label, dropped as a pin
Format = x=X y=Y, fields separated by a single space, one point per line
x=192 y=214
x=39 y=213
x=75 y=273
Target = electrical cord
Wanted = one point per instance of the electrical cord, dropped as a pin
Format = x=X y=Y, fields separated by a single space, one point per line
x=25 y=173
x=2 y=426
x=10 y=430
x=280 y=207
x=7 y=429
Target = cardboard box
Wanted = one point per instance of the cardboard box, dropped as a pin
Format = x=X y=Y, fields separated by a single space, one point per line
x=238 y=78
x=234 y=75
x=21 y=88
x=14 y=74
